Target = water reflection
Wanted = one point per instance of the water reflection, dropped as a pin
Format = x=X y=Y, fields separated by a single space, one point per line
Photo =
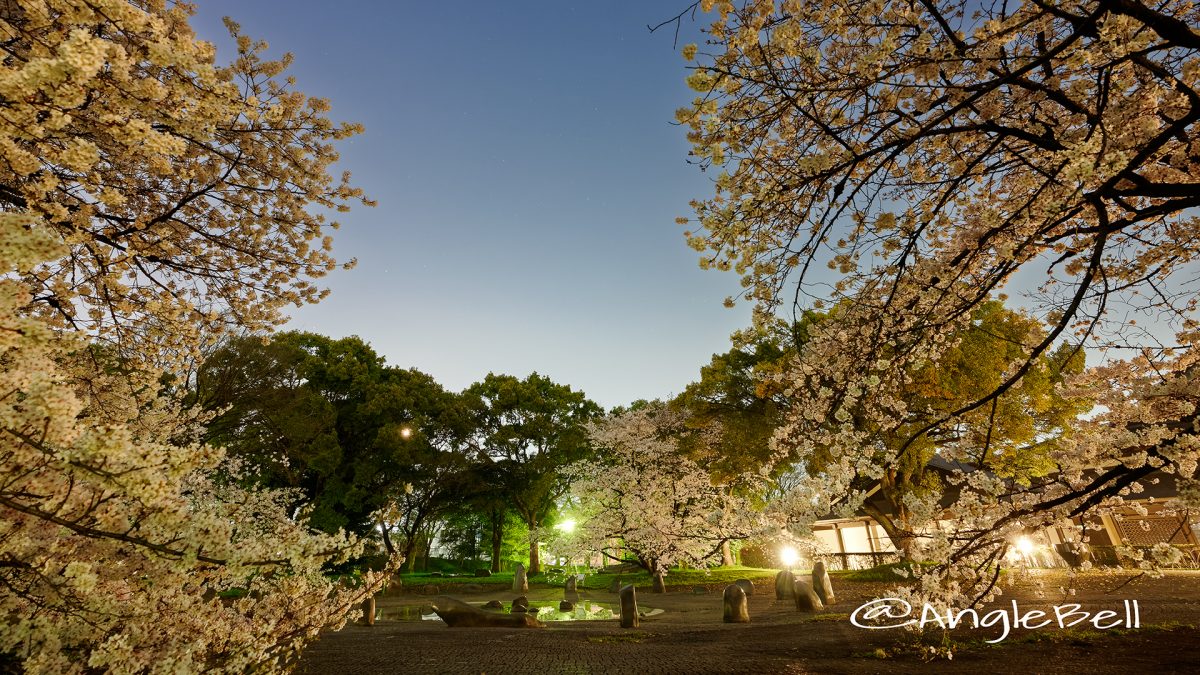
x=405 y=613
x=547 y=611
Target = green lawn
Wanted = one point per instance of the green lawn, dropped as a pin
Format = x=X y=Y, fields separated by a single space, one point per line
x=422 y=578
x=689 y=577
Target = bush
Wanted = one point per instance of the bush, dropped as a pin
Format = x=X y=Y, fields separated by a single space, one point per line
x=753 y=555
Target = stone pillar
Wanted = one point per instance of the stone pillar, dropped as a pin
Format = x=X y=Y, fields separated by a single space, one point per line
x=520 y=581
x=736 y=609
x=806 y=599
x=822 y=585
x=368 y=608
x=629 y=611
x=785 y=583
x=571 y=592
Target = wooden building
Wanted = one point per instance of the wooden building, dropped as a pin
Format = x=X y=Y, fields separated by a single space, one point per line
x=860 y=542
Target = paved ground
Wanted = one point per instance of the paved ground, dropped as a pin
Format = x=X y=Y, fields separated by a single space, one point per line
x=689 y=637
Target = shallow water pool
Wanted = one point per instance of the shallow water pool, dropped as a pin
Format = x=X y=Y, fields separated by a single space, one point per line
x=547 y=611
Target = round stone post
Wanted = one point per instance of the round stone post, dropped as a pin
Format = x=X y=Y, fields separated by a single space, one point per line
x=520 y=581
x=736 y=609
x=629 y=611
x=785 y=583
x=368 y=608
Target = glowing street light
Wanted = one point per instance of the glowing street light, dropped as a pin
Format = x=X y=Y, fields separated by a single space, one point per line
x=1024 y=545
x=567 y=526
x=406 y=433
x=789 y=556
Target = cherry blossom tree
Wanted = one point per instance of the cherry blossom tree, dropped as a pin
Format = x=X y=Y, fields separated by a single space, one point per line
x=148 y=200
x=934 y=154
x=644 y=495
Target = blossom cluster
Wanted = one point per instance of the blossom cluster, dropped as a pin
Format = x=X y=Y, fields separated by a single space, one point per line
x=932 y=156
x=148 y=199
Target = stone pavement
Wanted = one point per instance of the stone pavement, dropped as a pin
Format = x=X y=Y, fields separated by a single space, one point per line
x=689 y=637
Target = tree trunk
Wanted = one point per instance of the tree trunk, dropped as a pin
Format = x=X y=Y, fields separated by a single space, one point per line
x=726 y=554
x=387 y=540
x=410 y=558
x=412 y=547
x=657 y=572
x=902 y=538
x=497 y=537
x=535 y=562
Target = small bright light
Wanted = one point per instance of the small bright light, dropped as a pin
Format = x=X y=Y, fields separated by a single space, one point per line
x=567 y=526
x=406 y=433
x=1024 y=545
x=788 y=556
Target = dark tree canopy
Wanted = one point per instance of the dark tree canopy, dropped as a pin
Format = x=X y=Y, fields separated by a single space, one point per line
x=328 y=417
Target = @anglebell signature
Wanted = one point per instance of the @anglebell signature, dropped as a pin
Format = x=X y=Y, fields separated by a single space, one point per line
x=882 y=613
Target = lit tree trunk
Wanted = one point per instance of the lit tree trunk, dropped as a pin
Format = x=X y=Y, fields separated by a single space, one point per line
x=902 y=538
x=535 y=562
x=657 y=572
x=726 y=554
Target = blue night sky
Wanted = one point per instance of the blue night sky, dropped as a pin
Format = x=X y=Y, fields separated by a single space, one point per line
x=528 y=177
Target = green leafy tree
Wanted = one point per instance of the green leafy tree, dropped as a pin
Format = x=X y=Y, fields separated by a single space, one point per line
x=733 y=409
x=435 y=481
x=485 y=493
x=740 y=395
x=1014 y=437
x=328 y=417
x=532 y=429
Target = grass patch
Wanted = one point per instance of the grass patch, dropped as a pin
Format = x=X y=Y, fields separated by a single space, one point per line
x=423 y=578
x=690 y=577
x=888 y=572
x=642 y=580
x=831 y=616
